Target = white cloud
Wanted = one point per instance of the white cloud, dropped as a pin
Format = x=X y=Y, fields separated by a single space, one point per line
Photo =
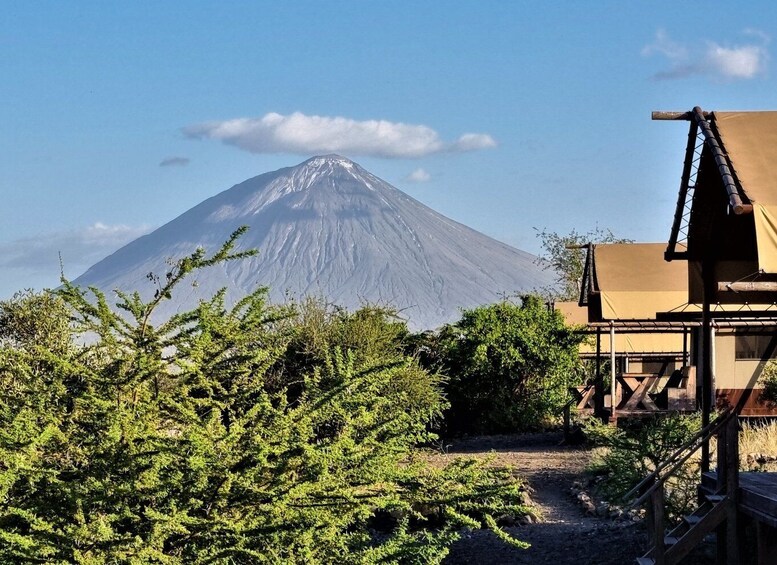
x=175 y=162
x=711 y=59
x=419 y=175
x=79 y=248
x=473 y=141
x=302 y=134
x=736 y=62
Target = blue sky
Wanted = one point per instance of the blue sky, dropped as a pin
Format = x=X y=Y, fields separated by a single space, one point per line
x=506 y=116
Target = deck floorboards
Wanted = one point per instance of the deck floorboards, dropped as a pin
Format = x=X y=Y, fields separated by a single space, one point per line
x=757 y=494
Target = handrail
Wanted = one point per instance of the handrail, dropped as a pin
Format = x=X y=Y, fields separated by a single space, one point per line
x=678 y=457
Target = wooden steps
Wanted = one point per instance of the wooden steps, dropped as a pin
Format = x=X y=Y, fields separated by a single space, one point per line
x=690 y=532
x=717 y=507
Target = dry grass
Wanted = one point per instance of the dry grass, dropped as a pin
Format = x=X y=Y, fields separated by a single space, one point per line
x=758 y=446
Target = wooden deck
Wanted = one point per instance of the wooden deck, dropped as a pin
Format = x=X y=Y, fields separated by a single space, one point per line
x=757 y=495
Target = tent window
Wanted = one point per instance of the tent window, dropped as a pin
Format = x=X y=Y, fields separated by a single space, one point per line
x=755 y=347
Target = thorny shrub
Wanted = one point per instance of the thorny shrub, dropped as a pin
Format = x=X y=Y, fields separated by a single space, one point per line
x=182 y=442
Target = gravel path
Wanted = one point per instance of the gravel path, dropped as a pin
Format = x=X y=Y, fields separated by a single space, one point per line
x=564 y=534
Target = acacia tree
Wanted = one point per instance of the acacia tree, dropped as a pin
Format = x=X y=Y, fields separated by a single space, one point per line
x=565 y=254
x=177 y=444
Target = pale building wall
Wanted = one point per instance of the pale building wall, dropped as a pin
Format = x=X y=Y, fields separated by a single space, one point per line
x=731 y=372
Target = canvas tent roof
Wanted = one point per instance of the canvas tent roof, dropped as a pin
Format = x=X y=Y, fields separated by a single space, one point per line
x=726 y=215
x=750 y=141
x=730 y=166
x=632 y=281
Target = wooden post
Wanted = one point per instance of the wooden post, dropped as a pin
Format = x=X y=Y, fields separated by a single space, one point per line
x=728 y=484
x=598 y=384
x=706 y=377
x=721 y=532
x=656 y=525
x=713 y=366
x=613 y=395
x=732 y=490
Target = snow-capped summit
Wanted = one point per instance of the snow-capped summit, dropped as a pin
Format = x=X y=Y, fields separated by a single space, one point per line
x=330 y=228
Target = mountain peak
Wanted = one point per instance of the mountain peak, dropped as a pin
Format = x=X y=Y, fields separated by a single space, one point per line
x=327 y=227
x=331 y=157
x=328 y=162
x=325 y=170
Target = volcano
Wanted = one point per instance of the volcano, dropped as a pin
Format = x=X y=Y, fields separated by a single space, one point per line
x=328 y=228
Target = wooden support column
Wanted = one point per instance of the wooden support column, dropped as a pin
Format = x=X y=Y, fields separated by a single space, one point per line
x=599 y=410
x=728 y=550
x=706 y=371
x=613 y=395
x=732 y=491
x=713 y=366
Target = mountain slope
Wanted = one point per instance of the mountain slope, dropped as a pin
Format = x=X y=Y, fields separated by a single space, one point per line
x=328 y=227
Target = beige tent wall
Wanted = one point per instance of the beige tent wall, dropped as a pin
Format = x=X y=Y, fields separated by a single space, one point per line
x=636 y=342
x=725 y=366
x=625 y=342
x=731 y=372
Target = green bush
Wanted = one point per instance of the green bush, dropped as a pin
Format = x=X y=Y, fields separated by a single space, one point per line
x=182 y=443
x=509 y=366
x=372 y=333
x=768 y=381
x=633 y=450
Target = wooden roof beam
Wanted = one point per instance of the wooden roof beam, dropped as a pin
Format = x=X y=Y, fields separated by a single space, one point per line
x=687 y=116
x=748 y=286
x=735 y=200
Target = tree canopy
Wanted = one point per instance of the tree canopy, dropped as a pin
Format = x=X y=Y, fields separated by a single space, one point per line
x=510 y=366
x=565 y=254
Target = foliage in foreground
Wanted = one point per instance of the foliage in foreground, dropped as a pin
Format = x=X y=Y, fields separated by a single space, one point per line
x=220 y=436
x=631 y=453
x=509 y=366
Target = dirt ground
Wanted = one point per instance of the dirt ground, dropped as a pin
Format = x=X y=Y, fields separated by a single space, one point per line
x=565 y=534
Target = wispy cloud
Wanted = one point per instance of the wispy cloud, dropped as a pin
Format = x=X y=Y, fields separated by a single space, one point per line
x=666 y=47
x=711 y=59
x=79 y=248
x=473 y=142
x=174 y=162
x=301 y=134
x=419 y=175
